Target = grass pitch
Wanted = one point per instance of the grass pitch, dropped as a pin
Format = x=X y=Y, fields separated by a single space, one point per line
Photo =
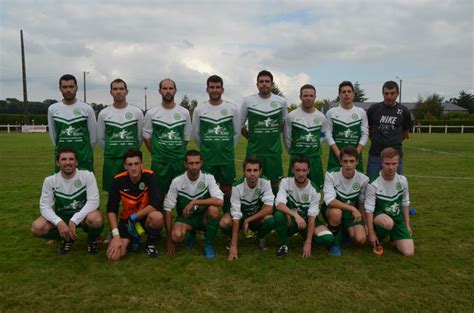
x=440 y=171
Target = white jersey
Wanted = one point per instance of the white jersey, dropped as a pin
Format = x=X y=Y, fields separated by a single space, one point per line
x=304 y=132
x=169 y=130
x=350 y=191
x=76 y=197
x=183 y=190
x=303 y=200
x=387 y=197
x=248 y=201
x=119 y=129
x=347 y=126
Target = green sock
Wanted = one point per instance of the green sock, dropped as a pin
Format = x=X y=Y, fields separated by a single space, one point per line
x=94 y=233
x=382 y=232
x=281 y=227
x=227 y=231
x=324 y=240
x=267 y=226
x=226 y=206
x=53 y=234
x=335 y=231
x=212 y=228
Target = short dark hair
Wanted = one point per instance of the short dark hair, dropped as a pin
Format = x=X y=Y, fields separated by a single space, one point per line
x=169 y=79
x=215 y=79
x=252 y=159
x=349 y=150
x=307 y=86
x=265 y=73
x=131 y=153
x=344 y=84
x=299 y=159
x=192 y=152
x=118 y=80
x=66 y=77
x=65 y=150
x=390 y=85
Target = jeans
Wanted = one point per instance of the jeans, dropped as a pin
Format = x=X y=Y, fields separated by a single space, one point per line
x=374 y=166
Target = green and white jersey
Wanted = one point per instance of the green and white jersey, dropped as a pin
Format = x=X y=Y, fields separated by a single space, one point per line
x=350 y=191
x=74 y=126
x=347 y=127
x=169 y=130
x=303 y=200
x=76 y=197
x=216 y=130
x=265 y=118
x=388 y=197
x=248 y=201
x=303 y=132
x=119 y=130
x=183 y=190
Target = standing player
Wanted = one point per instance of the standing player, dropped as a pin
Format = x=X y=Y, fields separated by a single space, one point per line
x=216 y=130
x=297 y=204
x=303 y=128
x=389 y=124
x=266 y=114
x=119 y=127
x=347 y=126
x=386 y=206
x=166 y=131
x=136 y=189
x=72 y=123
x=197 y=199
x=252 y=206
x=69 y=199
x=344 y=193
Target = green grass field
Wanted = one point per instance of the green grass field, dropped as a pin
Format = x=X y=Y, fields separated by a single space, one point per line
x=440 y=277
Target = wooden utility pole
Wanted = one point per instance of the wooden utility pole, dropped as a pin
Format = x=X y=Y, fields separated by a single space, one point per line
x=26 y=117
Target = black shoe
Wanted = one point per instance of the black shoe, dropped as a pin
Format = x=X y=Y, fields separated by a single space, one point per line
x=282 y=251
x=152 y=251
x=92 y=247
x=65 y=246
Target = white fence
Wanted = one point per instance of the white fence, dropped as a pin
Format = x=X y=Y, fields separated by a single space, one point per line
x=17 y=128
x=444 y=128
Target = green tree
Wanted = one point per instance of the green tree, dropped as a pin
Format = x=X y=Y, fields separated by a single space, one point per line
x=190 y=105
x=359 y=93
x=430 y=108
x=292 y=107
x=276 y=90
x=465 y=100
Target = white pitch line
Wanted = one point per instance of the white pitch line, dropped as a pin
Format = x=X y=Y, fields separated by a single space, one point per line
x=441 y=177
x=440 y=152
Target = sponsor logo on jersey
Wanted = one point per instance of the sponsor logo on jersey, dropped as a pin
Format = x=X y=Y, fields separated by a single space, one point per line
x=76 y=112
x=355 y=116
x=170 y=135
x=70 y=132
x=177 y=116
x=218 y=130
x=128 y=115
x=122 y=135
x=355 y=186
x=77 y=183
x=268 y=122
x=393 y=209
x=141 y=186
x=201 y=186
x=224 y=112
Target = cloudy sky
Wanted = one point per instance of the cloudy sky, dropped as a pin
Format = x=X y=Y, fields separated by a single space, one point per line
x=428 y=44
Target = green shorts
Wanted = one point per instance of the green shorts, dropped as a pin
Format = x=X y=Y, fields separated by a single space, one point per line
x=347 y=218
x=333 y=161
x=224 y=174
x=67 y=217
x=399 y=231
x=316 y=173
x=111 y=168
x=196 y=221
x=293 y=227
x=272 y=167
x=166 y=171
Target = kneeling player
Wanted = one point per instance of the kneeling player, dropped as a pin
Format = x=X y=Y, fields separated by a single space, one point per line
x=344 y=193
x=69 y=199
x=386 y=206
x=297 y=204
x=197 y=199
x=251 y=205
x=136 y=189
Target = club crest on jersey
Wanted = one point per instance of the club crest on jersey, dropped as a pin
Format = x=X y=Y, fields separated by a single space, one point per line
x=141 y=186
x=76 y=112
x=258 y=192
x=77 y=183
x=355 y=186
x=274 y=104
x=316 y=120
x=177 y=116
x=398 y=186
x=305 y=197
x=224 y=112
x=128 y=115
x=201 y=186
x=355 y=116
